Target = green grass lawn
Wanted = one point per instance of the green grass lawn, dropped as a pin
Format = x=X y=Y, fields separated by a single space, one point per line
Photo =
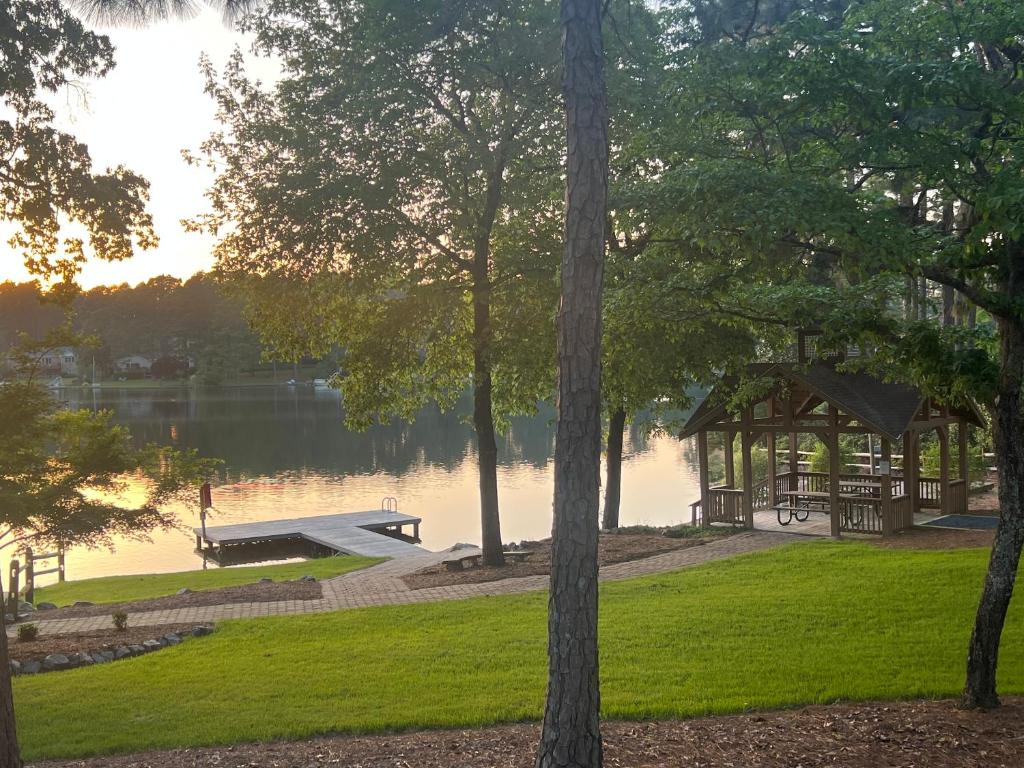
x=120 y=589
x=805 y=623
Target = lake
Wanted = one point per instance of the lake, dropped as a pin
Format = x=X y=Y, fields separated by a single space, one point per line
x=287 y=453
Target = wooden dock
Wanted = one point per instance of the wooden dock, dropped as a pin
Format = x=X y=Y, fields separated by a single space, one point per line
x=378 y=533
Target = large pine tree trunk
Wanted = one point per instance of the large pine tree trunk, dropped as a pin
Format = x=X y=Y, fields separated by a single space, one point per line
x=571 y=732
x=483 y=425
x=613 y=470
x=10 y=756
x=1008 y=431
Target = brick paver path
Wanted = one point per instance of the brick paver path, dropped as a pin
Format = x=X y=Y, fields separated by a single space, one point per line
x=382 y=585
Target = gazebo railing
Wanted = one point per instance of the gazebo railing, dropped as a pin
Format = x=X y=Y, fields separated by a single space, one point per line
x=902 y=513
x=725 y=506
x=860 y=514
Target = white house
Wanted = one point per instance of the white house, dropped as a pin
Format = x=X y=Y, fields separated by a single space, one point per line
x=61 y=359
x=133 y=363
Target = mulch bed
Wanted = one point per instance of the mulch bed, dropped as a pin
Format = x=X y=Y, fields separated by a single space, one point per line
x=246 y=593
x=924 y=537
x=612 y=548
x=886 y=735
x=89 y=642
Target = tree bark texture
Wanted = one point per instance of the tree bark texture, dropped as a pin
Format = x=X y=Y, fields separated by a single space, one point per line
x=1007 y=433
x=483 y=425
x=10 y=755
x=571 y=735
x=613 y=470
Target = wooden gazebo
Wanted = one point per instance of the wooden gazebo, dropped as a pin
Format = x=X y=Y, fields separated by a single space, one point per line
x=813 y=397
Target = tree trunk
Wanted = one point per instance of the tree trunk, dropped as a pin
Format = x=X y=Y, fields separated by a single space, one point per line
x=483 y=425
x=1007 y=429
x=10 y=755
x=571 y=735
x=613 y=471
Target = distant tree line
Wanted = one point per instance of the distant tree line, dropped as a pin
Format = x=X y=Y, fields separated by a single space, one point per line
x=179 y=327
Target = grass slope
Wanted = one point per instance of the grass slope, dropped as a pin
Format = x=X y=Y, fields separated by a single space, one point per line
x=120 y=589
x=805 y=623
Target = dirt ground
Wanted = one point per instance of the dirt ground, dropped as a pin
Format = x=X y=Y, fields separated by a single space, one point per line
x=612 y=548
x=880 y=735
x=89 y=642
x=246 y=593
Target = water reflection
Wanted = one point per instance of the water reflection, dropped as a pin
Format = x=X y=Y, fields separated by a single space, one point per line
x=288 y=454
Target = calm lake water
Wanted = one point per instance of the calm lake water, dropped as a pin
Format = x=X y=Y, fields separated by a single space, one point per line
x=287 y=453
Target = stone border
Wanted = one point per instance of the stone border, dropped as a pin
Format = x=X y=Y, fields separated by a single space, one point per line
x=58 y=662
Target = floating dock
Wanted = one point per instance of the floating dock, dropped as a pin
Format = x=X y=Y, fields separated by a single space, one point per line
x=379 y=533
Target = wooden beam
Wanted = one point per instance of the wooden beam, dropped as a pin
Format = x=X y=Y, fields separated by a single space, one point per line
x=748 y=473
x=910 y=470
x=962 y=439
x=944 y=506
x=730 y=462
x=770 y=440
x=705 y=492
x=833 y=471
x=888 y=520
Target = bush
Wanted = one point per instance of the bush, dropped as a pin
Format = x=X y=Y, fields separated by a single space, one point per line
x=27 y=633
x=120 y=621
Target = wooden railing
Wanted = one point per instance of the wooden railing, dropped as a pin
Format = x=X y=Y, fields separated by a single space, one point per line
x=902 y=513
x=860 y=514
x=957 y=497
x=929 y=492
x=725 y=506
x=760 y=495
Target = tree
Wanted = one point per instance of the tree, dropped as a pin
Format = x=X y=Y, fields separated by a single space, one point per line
x=393 y=196
x=883 y=139
x=571 y=734
x=672 y=320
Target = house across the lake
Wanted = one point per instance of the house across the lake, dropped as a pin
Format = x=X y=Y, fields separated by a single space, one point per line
x=136 y=363
x=62 y=360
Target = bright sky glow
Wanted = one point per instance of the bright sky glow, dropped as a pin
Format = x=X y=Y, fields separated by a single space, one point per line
x=148 y=109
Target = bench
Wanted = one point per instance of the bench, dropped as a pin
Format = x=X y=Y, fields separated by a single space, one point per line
x=474 y=559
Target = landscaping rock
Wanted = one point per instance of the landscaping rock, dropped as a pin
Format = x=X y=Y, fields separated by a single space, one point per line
x=152 y=645
x=82 y=604
x=136 y=650
x=172 y=639
x=15 y=667
x=99 y=658
x=202 y=631
x=121 y=652
x=24 y=607
x=308 y=579
x=81 y=660
x=8 y=618
x=184 y=591
x=30 y=667
x=266 y=580
x=56 y=661
x=46 y=607
x=107 y=655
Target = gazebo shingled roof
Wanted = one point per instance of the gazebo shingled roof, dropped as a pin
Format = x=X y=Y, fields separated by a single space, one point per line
x=888 y=408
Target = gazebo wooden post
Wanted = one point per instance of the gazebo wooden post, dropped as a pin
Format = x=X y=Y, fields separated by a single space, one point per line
x=961 y=436
x=770 y=441
x=833 y=468
x=910 y=485
x=748 y=470
x=729 y=438
x=871 y=454
x=888 y=521
x=944 y=506
x=705 y=487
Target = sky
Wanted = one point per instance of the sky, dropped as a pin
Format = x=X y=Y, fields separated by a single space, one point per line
x=142 y=115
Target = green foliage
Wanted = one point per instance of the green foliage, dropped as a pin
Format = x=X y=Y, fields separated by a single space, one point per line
x=47 y=179
x=699 y=641
x=62 y=473
x=27 y=632
x=120 y=619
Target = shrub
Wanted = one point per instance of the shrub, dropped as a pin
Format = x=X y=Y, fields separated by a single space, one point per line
x=120 y=621
x=27 y=633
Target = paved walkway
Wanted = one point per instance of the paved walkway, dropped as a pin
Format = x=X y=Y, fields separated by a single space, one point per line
x=382 y=585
